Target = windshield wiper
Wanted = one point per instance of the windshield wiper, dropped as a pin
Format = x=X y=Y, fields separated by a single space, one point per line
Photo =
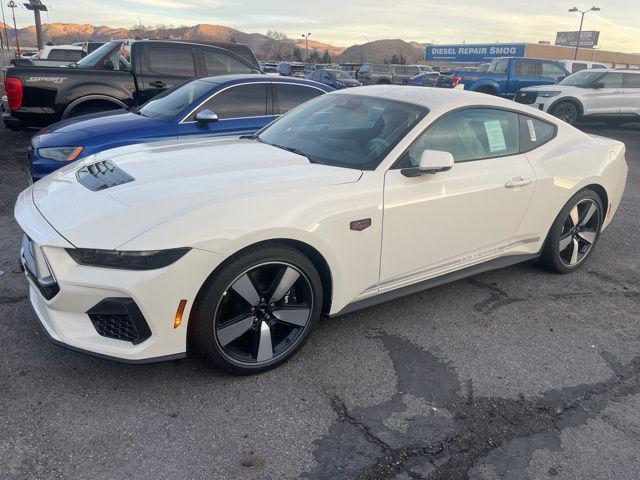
x=248 y=137
x=290 y=149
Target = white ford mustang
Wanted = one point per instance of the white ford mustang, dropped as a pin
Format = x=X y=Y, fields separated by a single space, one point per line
x=234 y=248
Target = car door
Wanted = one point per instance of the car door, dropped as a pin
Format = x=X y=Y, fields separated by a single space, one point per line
x=631 y=94
x=525 y=73
x=162 y=67
x=606 y=95
x=445 y=221
x=241 y=109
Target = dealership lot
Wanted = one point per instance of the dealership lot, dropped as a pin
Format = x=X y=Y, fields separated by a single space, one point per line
x=510 y=374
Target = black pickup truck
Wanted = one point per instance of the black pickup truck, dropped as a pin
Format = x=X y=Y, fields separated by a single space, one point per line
x=119 y=74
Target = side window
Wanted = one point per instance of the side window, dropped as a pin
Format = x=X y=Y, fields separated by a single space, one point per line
x=316 y=75
x=632 y=80
x=578 y=67
x=528 y=68
x=240 y=102
x=598 y=65
x=217 y=63
x=499 y=67
x=287 y=97
x=472 y=134
x=534 y=132
x=552 y=70
x=611 y=80
x=171 y=61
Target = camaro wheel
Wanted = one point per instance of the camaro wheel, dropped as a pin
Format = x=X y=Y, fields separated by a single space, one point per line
x=574 y=233
x=566 y=111
x=258 y=311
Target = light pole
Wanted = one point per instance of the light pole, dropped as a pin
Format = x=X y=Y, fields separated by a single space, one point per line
x=12 y=5
x=575 y=9
x=306 y=46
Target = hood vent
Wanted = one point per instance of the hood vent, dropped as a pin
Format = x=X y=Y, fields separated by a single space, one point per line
x=102 y=175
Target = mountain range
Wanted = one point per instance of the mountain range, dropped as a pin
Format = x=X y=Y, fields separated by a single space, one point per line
x=263 y=46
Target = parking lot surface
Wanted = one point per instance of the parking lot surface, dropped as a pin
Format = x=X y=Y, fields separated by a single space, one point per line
x=512 y=374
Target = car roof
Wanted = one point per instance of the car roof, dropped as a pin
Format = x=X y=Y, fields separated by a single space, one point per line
x=432 y=98
x=260 y=77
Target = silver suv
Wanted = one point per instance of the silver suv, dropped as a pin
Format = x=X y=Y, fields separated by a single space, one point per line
x=372 y=74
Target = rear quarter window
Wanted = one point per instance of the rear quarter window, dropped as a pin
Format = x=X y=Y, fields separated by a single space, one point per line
x=534 y=133
x=171 y=61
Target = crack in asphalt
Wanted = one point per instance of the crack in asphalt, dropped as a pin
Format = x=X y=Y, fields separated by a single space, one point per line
x=480 y=424
x=5 y=300
x=499 y=298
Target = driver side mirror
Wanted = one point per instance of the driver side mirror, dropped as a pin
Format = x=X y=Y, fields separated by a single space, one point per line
x=431 y=161
x=107 y=65
x=206 y=116
x=598 y=85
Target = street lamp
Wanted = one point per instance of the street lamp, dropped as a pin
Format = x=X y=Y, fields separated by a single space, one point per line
x=306 y=45
x=573 y=10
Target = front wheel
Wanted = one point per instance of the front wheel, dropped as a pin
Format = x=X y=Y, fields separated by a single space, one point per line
x=574 y=233
x=258 y=310
x=567 y=112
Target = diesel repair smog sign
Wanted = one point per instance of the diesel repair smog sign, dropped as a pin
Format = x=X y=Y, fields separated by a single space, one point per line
x=474 y=53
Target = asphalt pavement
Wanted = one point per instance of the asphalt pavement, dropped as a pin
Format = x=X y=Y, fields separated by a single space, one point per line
x=511 y=374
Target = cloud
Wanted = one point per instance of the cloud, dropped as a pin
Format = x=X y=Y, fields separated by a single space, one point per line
x=165 y=4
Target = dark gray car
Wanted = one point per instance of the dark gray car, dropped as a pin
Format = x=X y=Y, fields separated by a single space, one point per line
x=372 y=74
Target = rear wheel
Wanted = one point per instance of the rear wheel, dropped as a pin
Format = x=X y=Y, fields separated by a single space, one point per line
x=574 y=233
x=258 y=310
x=567 y=112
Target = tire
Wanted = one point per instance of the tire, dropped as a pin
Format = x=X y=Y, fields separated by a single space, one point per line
x=248 y=328
x=566 y=111
x=574 y=233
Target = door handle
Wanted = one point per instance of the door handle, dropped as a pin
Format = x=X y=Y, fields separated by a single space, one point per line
x=518 y=182
x=157 y=84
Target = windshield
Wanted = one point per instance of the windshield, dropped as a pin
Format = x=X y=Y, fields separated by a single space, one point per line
x=353 y=131
x=169 y=104
x=583 y=79
x=340 y=75
x=91 y=60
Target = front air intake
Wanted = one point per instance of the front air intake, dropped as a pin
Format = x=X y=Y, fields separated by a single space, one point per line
x=120 y=319
x=102 y=175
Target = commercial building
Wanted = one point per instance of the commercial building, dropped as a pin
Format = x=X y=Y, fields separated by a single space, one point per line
x=473 y=54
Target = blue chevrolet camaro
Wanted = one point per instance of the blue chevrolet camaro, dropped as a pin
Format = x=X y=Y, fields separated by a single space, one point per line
x=222 y=105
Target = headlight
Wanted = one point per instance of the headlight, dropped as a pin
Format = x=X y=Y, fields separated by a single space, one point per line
x=548 y=94
x=61 y=154
x=149 y=260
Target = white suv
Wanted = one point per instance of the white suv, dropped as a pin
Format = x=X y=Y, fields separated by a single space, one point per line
x=603 y=94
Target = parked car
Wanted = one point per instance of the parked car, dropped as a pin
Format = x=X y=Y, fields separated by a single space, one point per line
x=233 y=249
x=606 y=94
x=334 y=78
x=574 y=66
x=424 y=68
x=505 y=76
x=119 y=74
x=222 y=105
x=57 y=55
x=431 y=79
x=371 y=74
x=269 y=67
x=288 y=69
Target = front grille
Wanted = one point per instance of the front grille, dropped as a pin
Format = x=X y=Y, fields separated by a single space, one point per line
x=102 y=175
x=526 y=97
x=120 y=319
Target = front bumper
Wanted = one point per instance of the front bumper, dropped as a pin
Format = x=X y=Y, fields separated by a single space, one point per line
x=66 y=316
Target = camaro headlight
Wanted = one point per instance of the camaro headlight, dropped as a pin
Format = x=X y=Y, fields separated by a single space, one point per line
x=548 y=94
x=61 y=154
x=147 y=260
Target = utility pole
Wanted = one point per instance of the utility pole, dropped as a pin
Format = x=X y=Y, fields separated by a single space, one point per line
x=306 y=45
x=12 y=5
x=37 y=7
x=575 y=9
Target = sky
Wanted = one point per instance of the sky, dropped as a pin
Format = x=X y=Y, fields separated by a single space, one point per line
x=345 y=23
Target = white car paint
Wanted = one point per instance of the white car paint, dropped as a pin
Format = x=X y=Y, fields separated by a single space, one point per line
x=594 y=101
x=220 y=196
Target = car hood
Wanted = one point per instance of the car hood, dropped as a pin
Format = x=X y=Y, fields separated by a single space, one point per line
x=99 y=128
x=549 y=88
x=171 y=179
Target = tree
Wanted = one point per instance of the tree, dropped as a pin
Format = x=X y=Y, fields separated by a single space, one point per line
x=314 y=57
x=297 y=55
x=394 y=59
x=402 y=60
x=277 y=41
x=326 y=58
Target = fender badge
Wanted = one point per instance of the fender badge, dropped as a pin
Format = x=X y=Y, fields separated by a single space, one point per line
x=360 y=225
